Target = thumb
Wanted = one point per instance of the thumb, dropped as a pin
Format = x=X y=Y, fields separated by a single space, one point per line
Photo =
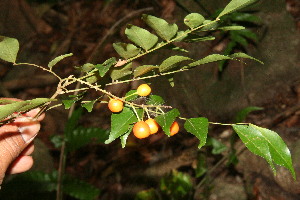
x=13 y=140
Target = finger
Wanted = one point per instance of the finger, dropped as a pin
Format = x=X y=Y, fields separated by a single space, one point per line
x=27 y=127
x=21 y=164
x=28 y=150
x=34 y=112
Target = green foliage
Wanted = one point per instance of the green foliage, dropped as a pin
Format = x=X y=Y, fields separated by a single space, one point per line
x=171 y=62
x=242 y=114
x=217 y=146
x=163 y=29
x=126 y=50
x=267 y=144
x=18 y=107
x=141 y=37
x=121 y=72
x=146 y=195
x=176 y=186
x=121 y=123
x=166 y=120
x=199 y=128
x=141 y=70
x=193 y=20
x=9 y=48
x=201 y=168
x=105 y=66
x=235 y=5
x=155 y=100
x=58 y=59
x=44 y=184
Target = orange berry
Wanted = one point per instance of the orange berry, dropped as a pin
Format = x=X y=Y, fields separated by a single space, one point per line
x=141 y=130
x=174 y=128
x=115 y=105
x=153 y=125
x=144 y=90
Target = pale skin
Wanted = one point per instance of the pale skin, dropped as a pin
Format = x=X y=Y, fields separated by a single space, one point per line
x=16 y=143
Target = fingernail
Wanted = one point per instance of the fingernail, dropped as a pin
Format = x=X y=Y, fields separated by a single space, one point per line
x=28 y=128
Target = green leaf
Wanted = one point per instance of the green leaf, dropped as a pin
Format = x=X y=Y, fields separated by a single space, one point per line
x=57 y=140
x=9 y=48
x=146 y=195
x=141 y=37
x=171 y=62
x=209 y=59
x=121 y=122
x=235 y=5
x=278 y=149
x=229 y=48
x=126 y=50
x=217 y=146
x=255 y=142
x=21 y=106
x=81 y=136
x=125 y=136
x=231 y=28
x=89 y=105
x=245 y=17
x=141 y=70
x=155 y=100
x=201 y=168
x=131 y=95
x=248 y=34
x=242 y=114
x=209 y=25
x=194 y=20
x=196 y=38
x=163 y=29
x=175 y=48
x=235 y=36
x=167 y=119
x=199 y=128
x=177 y=185
x=72 y=122
x=87 y=67
x=57 y=59
x=79 y=189
x=104 y=67
x=243 y=55
x=119 y=73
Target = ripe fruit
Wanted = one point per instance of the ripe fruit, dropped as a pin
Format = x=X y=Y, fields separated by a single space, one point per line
x=153 y=125
x=174 y=128
x=141 y=130
x=144 y=90
x=115 y=105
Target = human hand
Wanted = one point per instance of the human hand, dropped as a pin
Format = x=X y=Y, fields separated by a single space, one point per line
x=16 y=143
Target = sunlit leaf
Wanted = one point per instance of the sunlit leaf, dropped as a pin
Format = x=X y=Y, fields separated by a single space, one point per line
x=125 y=136
x=141 y=70
x=209 y=59
x=9 y=48
x=21 y=106
x=172 y=62
x=155 y=100
x=209 y=25
x=89 y=105
x=163 y=29
x=243 y=55
x=126 y=50
x=104 y=67
x=197 y=38
x=167 y=119
x=193 y=20
x=57 y=59
x=231 y=28
x=198 y=127
x=118 y=73
x=131 y=95
x=235 y=5
x=255 y=142
x=279 y=151
x=141 y=37
x=121 y=122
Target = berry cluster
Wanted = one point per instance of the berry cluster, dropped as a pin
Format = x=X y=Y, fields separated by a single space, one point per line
x=141 y=129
